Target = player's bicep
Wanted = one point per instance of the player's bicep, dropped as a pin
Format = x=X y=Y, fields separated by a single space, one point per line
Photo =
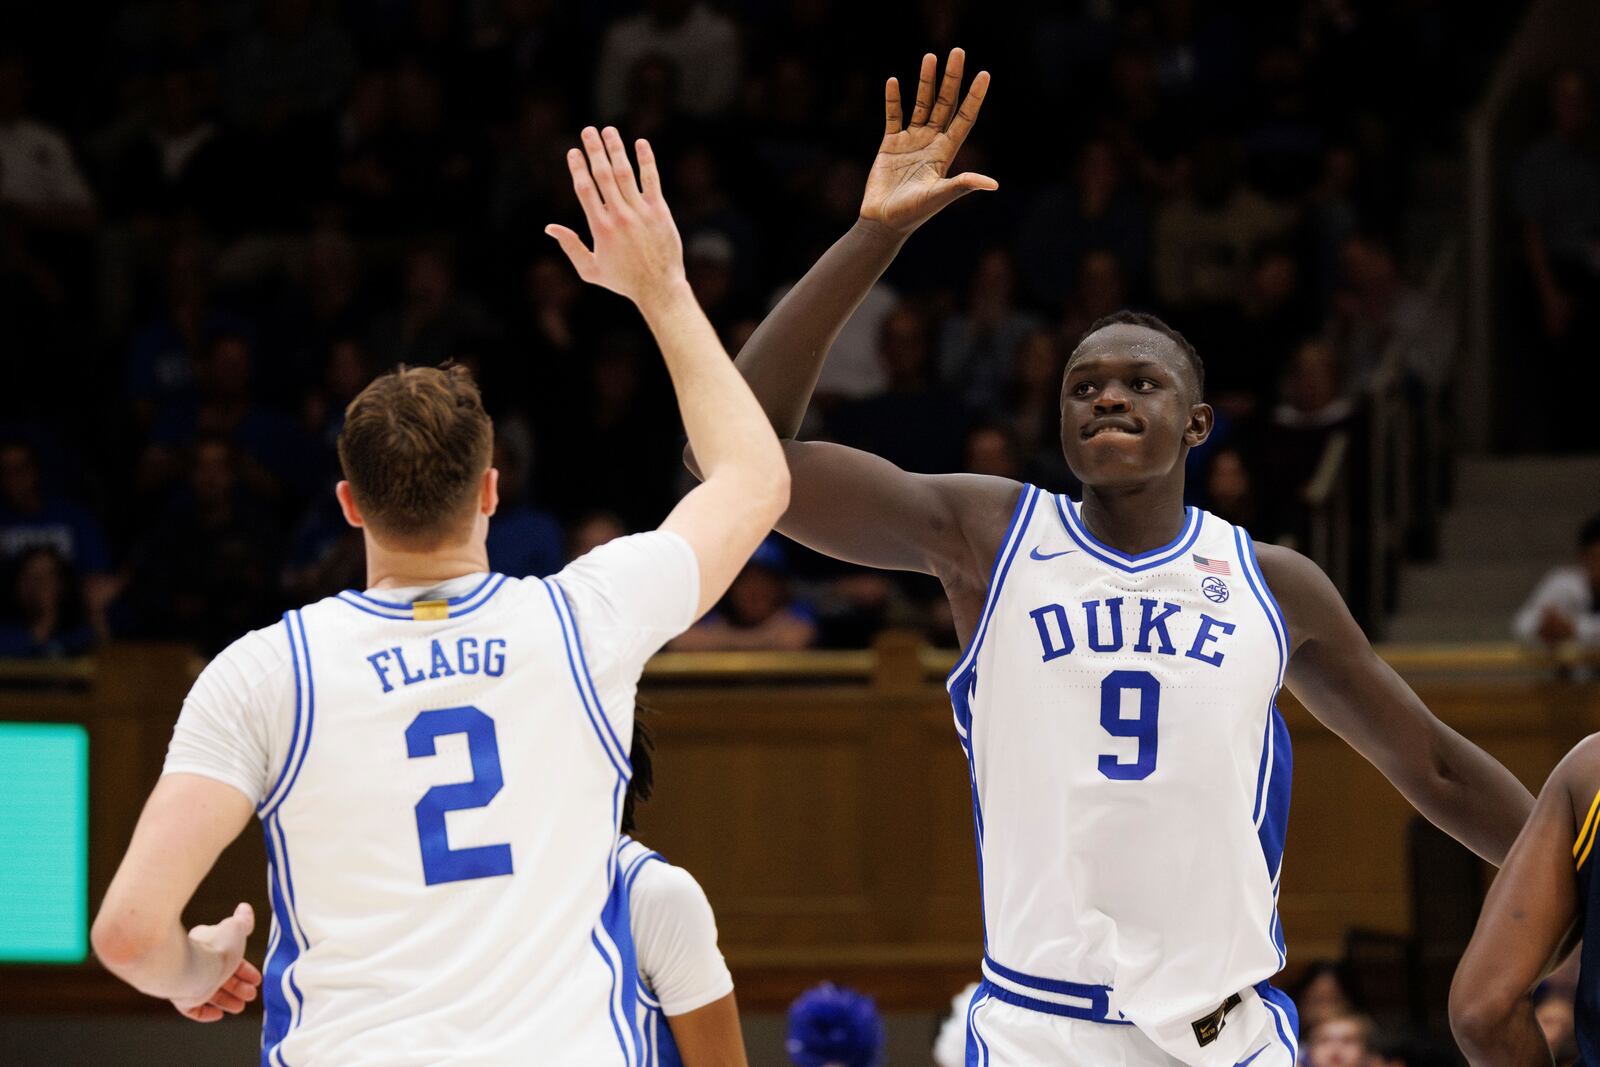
x=710 y=1035
x=861 y=508
x=186 y=823
x=723 y=532
x=1531 y=908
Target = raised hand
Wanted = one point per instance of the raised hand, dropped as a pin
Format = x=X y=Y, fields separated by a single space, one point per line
x=637 y=251
x=240 y=978
x=907 y=185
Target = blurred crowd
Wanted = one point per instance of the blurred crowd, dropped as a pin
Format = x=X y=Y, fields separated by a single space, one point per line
x=219 y=219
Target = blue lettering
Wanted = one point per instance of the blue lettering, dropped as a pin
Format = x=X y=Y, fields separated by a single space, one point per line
x=406 y=676
x=1091 y=614
x=1052 y=650
x=1150 y=623
x=467 y=655
x=383 y=674
x=494 y=663
x=441 y=665
x=1204 y=635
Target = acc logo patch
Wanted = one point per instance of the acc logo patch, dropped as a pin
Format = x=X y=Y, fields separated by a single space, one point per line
x=1215 y=589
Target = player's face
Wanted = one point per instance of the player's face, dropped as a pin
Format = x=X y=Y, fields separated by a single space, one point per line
x=1129 y=410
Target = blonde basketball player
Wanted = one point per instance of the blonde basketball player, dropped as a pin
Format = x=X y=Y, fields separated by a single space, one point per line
x=435 y=761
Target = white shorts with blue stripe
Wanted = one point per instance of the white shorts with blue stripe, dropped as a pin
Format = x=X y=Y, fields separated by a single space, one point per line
x=1258 y=1032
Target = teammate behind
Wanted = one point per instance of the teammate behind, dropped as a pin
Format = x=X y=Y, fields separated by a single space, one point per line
x=1545 y=899
x=435 y=761
x=688 y=1016
x=1121 y=659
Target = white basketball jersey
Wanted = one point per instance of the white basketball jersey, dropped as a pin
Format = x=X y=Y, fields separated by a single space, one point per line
x=441 y=811
x=1130 y=772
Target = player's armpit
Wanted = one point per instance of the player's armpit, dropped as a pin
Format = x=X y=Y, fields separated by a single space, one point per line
x=1334 y=671
x=1526 y=924
x=710 y=1036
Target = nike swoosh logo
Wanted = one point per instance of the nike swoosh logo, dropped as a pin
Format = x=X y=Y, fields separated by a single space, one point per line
x=1041 y=557
x=1245 y=1062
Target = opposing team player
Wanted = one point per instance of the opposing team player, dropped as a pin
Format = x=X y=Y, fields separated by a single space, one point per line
x=436 y=761
x=1544 y=900
x=1121 y=658
x=688 y=1016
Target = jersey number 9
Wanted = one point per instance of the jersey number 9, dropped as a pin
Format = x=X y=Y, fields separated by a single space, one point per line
x=1142 y=725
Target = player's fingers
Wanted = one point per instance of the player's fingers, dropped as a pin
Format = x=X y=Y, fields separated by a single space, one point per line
x=246 y=915
x=241 y=989
x=600 y=166
x=225 y=1001
x=247 y=971
x=583 y=185
x=972 y=182
x=949 y=89
x=649 y=176
x=930 y=67
x=203 y=1013
x=892 y=115
x=621 y=169
x=582 y=259
x=967 y=114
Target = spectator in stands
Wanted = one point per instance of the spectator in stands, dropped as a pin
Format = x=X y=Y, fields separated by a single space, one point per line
x=39 y=178
x=759 y=612
x=979 y=343
x=914 y=423
x=991 y=448
x=1314 y=407
x=1099 y=288
x=32 y=518
x=1339 y=1041
x=1408 y=1048
x=524 y=540
x=1564 y=608
x=1375 y=308
x=435 y=320
x=1033 y=408
x=1066 y=222
x=1229 y=492
x=45 y=618
x=1277 y=317
x=1322 y=993
x=177 y=161
x=700 y=43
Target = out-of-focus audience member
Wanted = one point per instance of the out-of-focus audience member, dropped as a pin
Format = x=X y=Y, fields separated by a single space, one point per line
x=1409 y=1048
x=700 y=43
x=759 y=611
x=39 y=178
x=1323 y=992
x=524 y=540
x=1564 y=608
x=44 y=618
x=593 y=530
x=1229 y=492
x=978 y=344
x=834 y=1026
x=1339 y=1041
x=1553 y=1007
x=31 y=518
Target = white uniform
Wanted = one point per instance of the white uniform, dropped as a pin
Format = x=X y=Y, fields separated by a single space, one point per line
x=1130 y=784
x=675 y=939
x=440 y=775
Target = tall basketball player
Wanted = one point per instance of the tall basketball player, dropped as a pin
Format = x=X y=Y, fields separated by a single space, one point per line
x=1545 y=899
x=1121 y=657
x=436 y=761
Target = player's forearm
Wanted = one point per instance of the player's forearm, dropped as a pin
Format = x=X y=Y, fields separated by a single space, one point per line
x=163 y=963
x=1469 y=795
x=727 y=431
x=1499 y=1035
x=783 y=358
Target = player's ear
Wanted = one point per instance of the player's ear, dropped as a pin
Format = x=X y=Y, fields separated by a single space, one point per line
x=489 y=501
x=347 y=504
x=1201 y=419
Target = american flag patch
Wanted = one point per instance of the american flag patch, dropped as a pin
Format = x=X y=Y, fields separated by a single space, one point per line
x=1211 y=566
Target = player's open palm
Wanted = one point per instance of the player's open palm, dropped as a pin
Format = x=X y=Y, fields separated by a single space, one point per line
x=241 y=979
x=908 y=184
x=637 y=252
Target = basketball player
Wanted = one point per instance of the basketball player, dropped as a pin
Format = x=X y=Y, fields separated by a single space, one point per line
x=687 y=1013
x=1544 y=899
x=1121 y=657
x=435 y=760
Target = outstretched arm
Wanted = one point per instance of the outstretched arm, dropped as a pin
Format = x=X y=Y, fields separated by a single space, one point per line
x=1529 y=920
x=638 y=254
x=1335 y=673
x=906 y=187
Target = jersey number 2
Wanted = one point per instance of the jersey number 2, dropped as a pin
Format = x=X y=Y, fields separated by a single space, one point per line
x=440 y=862
x=1142 y=726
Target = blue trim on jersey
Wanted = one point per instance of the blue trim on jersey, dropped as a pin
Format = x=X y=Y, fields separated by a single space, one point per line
x=624 y=996
x=302 y=738
x=1194 y=519
x=277 y=1015
x=1021 y=515
x=1085 y=990
x=639 y=865
x=1285 y=1017
x=583 y=661
x=294 y=731
x=624 y=768
x=458 y=605
x=977 y=1048
x=1097 y=1014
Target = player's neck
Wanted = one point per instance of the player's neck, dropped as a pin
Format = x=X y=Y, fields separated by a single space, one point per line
x=1138 y=518
x=394 y=569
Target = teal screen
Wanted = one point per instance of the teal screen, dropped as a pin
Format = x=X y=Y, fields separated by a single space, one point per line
x=44 y=842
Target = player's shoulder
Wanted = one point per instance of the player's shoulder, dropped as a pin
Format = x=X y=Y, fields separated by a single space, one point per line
x=668 y=890
x=1578 y=773
x=257 y=653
